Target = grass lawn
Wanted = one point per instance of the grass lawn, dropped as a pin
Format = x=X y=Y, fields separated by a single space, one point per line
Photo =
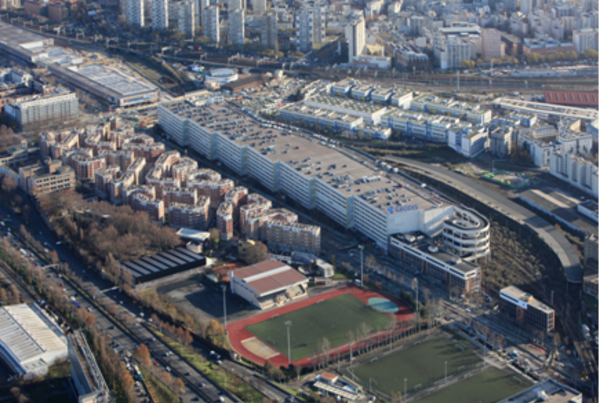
x=421 y=365
x=488 y=386
x=159 y=390
x=332 y=318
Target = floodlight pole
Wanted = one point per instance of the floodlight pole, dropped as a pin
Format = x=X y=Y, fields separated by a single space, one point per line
x=446 y=372
x=361 y=266
x=405 y=379
x=288 y=325
x=225 y=306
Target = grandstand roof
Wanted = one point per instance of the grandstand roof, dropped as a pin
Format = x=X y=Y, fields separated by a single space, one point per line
x=163 y=264
x=571 y=98
x=268 y=277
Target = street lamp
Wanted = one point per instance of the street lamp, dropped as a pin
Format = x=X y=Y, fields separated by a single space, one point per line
x=361 y=264
x=405 y=379
x=288 y=325
x=446 y=372
x=225 y=307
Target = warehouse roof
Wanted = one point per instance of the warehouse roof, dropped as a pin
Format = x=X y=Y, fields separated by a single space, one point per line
x=28 y=333
x=268 y=277
x=572 y=98
x=163 y=264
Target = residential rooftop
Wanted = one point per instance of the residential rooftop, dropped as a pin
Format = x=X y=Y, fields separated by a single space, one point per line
x=521 y=295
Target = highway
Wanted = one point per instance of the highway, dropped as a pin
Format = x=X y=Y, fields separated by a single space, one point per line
x=126 y=341
x=558 y=243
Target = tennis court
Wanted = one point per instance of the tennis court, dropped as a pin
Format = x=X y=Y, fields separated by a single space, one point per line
x=489 y=386
x=421 y=365
x=332 y=319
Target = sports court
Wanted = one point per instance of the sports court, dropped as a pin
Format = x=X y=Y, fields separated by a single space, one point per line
x=488 y=386
x=421 y=365
x=329 y=315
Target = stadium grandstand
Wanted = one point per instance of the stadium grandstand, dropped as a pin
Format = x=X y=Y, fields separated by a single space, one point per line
x=163 y=264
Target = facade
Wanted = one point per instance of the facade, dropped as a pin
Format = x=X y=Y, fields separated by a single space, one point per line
x=259 y=6
x=491 y=44
x=468 y=141
x=268 y=283
x=236 y=26
x=187 y=23
x=89 y=383
x=160 y=14
x=449 y=53
x=355 y=34
x=310 y=26
x=269 y=31
x=46 y=109
x=282 y=236
x=501 y=141
x=210 y=24
x=85 y=167
x=153 y=206
x=46 y=177
x=420 y=256
x=30 y=341
x=195 y=216
x=225 y=220
x=525 y=309
x=135 y=12
x=585 y=39
x=576 y=171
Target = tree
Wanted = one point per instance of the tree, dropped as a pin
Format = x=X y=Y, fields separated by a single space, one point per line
x=9 y=184
x=143 y=354
x=215 y=237
x=178 y=386
x=252 y=254
x=370 y=261
x=397 y=397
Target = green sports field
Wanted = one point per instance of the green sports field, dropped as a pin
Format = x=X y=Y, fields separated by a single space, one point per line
x=488 y=386
x=332 y=318
x=421 y=365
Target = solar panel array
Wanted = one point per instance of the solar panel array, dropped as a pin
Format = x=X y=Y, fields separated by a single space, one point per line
x=168 y=260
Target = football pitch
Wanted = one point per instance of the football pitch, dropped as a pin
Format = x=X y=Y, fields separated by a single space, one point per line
x=331 y=318
x=421 y=366
x=489 y=386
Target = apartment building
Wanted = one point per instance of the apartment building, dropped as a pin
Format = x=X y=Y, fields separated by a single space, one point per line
x=310 y=26
x=282 y=236
x=44 y=109
x=237 y=197
x=211 y=27
x=142 y=146
x=259 y=6
x=179 y=195
x=186 y=20
x=236 y=26
x=85 y=167
x=136 y=13
x=154 y=207
x=576 y=171
x=355 y=35
x=501 y=141
x=102 y=177
x=269 y=31
x=491 y=44
x=160 y=14
x=525 y=309
x=451 y=51
x=225 y=220
x=585 y=39
x=46 y=177
x=194 y=216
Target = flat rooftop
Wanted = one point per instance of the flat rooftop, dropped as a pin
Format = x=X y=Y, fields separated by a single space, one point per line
x=562 y=206
x=312 y=157
x=346 y=103
x=550 y=390
x=448 y=103
x=111 y=79
x=162 y=264
x=542 y=108
x=319 y=113
x=521 y=295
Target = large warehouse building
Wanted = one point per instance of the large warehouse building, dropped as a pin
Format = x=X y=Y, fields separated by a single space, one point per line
x=163 y=264
x=268 y=284
x=315 y=174
x=113 y=85
x=30 y=341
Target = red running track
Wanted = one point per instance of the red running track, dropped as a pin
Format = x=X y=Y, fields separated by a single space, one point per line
x=237 y=331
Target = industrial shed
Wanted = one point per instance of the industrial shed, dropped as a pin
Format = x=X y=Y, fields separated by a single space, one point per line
x=30 y=341
x=167 y=263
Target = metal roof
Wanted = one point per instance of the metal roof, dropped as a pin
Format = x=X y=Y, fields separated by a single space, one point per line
x=28 y=333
